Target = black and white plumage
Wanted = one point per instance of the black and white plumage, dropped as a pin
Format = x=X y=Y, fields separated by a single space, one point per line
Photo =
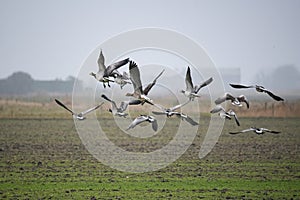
x=258 y=88
x=144 y=118
x=191 y=91
x=258 y=131
x=104 y=73
x=119 y=111
x=79 y=116
x=186 y=118
x=169 y=112
x=225 y=115
x=234 y=100
x=139 y=92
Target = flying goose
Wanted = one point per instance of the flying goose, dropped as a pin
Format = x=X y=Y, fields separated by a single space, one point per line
x=104 y=72
x=225 y=115
x=191 y=90
x=258 y=131
x=139 y=92
x=144 y=118
x=79 y=116
x=234 y=100
x=171 y=111
x=122 y=79
x=258 y=88
x=119 y=111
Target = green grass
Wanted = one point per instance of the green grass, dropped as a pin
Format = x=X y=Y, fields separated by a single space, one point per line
x=45 y=159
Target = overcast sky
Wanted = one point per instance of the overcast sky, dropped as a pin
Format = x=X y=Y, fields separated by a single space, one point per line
x=51 y=39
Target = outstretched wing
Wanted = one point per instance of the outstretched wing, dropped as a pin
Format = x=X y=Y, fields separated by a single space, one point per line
x=239 y=86
x=243 y=131
x=91 y=109
x=205 y=83
x=154 y=125
x=149 y=86
x=270 y=131
x=179 y=106
x=217 y=109
x=114 y=105
x=65 y=107
x=226 y=96
x=277 y=98
x=160 y=107
x=187 y=119
x=134 y=102
x=190 y=120
x=100 y=62
x=232 y=113
x=137 y=121
x=158 y=113
x=114 y=66
x=135 y=77
x=123 y=106
x=188 y=80
x=242 y=98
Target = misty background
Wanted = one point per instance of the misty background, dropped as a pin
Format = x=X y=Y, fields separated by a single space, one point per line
x=46 y=42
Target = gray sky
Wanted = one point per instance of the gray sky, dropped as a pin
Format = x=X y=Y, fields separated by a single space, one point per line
x=51 y=39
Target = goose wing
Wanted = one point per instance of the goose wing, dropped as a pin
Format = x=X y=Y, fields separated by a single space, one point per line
x=158 y=113
x=100 y=62
x=226 y=96
x=149 y=86
x=205 y=83
x=91 y=109
x=242 y=98
x=217 y=109
x=154 y=124
x=124 y=104
x=270 y=131
x=179 y=106
x=134 y=102
x=65 y=107
x=277 y=98
x=109 y=70
x=232 y=113
x=160 y=107
x=135 y=77
x=190 y=120
x=243 y=131
x=188 y=80
x=113 y=104
x=187 y=119
x=239 y=86
x=137 y=121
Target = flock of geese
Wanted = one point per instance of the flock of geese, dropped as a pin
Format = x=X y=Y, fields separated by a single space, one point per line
x=110 y=74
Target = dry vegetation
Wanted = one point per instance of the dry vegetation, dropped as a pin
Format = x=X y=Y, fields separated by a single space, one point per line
x=14 y=108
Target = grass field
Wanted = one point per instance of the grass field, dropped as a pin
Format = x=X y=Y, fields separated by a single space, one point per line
x=45 y=159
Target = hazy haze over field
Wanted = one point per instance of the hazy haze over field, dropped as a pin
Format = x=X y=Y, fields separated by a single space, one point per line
x=51 y=39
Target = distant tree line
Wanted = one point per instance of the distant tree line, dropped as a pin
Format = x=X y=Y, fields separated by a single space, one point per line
x=21 y=83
